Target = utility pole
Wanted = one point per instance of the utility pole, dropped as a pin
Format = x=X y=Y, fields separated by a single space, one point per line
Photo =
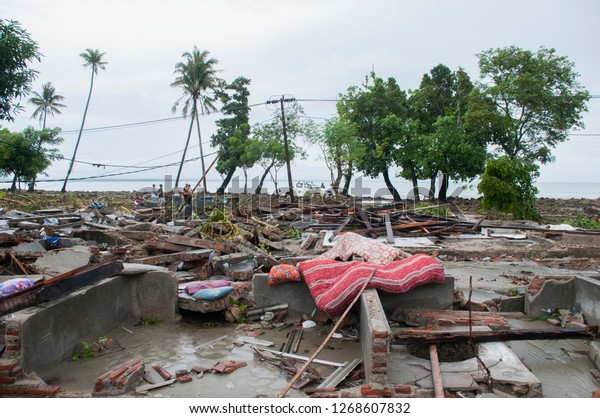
x=286 y=145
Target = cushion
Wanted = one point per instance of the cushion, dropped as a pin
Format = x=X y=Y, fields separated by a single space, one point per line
x=195 y=287
x=212 y=294
x=283 y=273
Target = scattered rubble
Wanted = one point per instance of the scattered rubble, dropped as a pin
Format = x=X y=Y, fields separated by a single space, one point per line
x=217 y=250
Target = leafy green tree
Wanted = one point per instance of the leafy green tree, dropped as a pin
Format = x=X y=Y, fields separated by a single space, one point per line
x=197 y=76
x=445 y=144
x=21 y=155
x=338 y=142
x=379 y=114
x=232 y=136
x=529 y=102
x=297 y=126
x=92 y=58
x=272 y=148
x=17 y=52
x=507 y=186
x=47 y=103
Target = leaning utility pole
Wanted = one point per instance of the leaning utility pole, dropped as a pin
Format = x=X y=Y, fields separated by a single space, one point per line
x=286 y=144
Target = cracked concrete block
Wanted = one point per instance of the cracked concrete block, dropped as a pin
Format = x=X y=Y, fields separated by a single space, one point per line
x=57 y=262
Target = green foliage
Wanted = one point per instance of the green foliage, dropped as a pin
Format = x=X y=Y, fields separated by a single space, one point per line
x=513 y=291
x=584 y=223
x=90 y=350
x=507 y=186
x=150 y=321
x=23 y=155
x=270 y=135
x=17 y=52
x=47 y=103
x=378 y=113
x=218 y=221
x=338 y=144
x=293 y=233
x=528 y=103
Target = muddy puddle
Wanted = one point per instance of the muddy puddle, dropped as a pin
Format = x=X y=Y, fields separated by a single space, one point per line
x=196 y=340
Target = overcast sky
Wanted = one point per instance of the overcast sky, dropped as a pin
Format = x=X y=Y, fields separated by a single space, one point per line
x=310 y=49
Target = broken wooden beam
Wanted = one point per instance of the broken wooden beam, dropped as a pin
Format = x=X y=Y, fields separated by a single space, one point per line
x=388 y=229
x=436 y=373
x=341 y=227
x=440 y=336
x=194 y=255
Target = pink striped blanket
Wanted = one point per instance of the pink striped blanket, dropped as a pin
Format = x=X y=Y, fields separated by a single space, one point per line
x=334 y=284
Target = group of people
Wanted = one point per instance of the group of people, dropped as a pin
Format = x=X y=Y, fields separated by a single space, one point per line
x=187 y=195
x=157 y=196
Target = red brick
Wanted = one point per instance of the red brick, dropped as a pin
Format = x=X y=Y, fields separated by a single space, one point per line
x=118 y=372
x=13 y=348
x=185 y=379
x=404 y=390
x=366 y=390
x=162 y=372
x=376 y=334
x=49 y=391
x=13 y=332
x=379 y=350
x=179 y=373
x=377 y=365
x=596 y=394
x=387 y=393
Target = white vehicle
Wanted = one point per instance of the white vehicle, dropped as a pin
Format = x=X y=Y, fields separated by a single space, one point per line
x=303 y=187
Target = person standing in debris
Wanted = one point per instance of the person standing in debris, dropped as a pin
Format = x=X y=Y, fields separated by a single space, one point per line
x=176 y=198
x=161 y=195
x=187 y=198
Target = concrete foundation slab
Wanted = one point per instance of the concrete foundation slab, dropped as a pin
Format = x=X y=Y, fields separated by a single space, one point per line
x=57 y=262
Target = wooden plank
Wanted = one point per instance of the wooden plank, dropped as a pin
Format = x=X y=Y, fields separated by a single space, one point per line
x=437 y=337
x=259 y=350
x=339 y=374
x=145 y=388
x=365 y=219
x=341 y=227
x=436 y=373
x=170 y=258
x=388 y=228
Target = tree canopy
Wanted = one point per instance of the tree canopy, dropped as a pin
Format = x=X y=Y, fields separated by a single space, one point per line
x=23 y=155
x=529 y=102
x=233 y=130
x=17 y=52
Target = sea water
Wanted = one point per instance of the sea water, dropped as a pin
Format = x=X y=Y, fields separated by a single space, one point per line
x=359 y=186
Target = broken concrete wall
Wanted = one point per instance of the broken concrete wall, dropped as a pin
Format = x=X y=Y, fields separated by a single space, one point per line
x=552 y=294
x=577 y=292
x=51 y=333
x=587 y=295
x=429 y=296
x=375 y=337
x=295 y=294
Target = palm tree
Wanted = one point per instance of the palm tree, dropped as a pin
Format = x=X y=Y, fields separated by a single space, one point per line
x=93 y=59
x=195 y=75
x=47 y=103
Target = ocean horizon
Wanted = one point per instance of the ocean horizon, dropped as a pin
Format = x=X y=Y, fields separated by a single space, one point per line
x=360 y=186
